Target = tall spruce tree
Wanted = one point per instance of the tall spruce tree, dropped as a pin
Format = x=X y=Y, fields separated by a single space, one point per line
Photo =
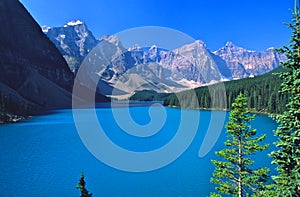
x=287 y=157
x=234 y=174
x=81 y=186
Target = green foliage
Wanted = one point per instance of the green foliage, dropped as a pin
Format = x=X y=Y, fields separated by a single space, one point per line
x=267 y=192
x=287 y=157
x=234 y=174
x=148 y=95
x=81 y=186
x=215 y=195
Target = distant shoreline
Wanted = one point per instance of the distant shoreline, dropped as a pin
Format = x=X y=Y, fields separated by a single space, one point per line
x=117 y=104
x=120 y=104
x=227 y=110
x=10 y=118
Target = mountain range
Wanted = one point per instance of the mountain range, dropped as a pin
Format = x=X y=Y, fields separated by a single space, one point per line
x=119 y=71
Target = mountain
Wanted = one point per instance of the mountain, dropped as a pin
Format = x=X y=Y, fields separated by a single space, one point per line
x=189 y=63
x=195 y=62
x=34 y=76
x=244 y=63
x=74 y=40
x=123 y=71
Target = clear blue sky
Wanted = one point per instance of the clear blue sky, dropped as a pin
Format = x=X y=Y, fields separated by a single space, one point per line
x=253 y=24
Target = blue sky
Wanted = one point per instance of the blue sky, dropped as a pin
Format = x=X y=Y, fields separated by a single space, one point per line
x=253 y=24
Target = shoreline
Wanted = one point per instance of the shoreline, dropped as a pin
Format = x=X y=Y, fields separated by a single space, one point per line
x=227 y=110
x=11 y=118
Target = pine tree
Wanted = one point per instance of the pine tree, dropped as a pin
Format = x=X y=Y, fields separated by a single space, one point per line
x=81 y=186
x=287 y=157
x=2 y=109
x=233 y=173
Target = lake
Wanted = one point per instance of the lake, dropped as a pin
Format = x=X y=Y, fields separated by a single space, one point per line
x=45 y=155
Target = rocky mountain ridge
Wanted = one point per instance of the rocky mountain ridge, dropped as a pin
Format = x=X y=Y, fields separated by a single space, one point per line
x=244 y=63
x=74 y=40
x=153 y=68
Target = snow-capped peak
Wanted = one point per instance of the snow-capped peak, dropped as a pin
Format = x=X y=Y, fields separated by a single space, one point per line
x=135 y=47
x=45 y=28
x=74 y=23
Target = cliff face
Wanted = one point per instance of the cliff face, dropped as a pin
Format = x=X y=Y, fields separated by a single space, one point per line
x=73 y=40
x=34 y=75
x=243 y=62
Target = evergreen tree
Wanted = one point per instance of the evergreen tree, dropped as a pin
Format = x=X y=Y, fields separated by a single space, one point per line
x=287 y=157
x=81 y=186
x=2 y=109
x=233 y=173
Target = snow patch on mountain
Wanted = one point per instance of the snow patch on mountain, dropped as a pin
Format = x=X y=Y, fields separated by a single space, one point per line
x=74 y=23
x=45 y=28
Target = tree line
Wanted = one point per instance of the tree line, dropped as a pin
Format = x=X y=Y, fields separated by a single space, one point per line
x=12 y=108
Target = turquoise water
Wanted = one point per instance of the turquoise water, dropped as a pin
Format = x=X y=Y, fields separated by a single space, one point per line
x=45 y=156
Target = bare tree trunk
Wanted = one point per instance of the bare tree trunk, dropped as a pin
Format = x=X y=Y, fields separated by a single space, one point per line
x=240 y=185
